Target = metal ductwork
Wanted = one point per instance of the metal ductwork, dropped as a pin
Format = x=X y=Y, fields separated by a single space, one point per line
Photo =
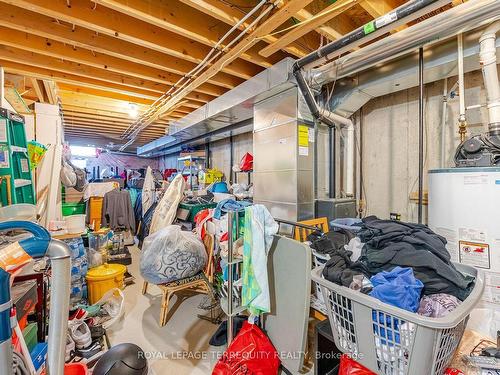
x=351 y=93
x=231 y=111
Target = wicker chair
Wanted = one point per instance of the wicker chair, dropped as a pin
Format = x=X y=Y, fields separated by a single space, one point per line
x=201 y=282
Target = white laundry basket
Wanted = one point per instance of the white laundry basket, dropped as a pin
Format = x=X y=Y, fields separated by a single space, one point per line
x=392 y=341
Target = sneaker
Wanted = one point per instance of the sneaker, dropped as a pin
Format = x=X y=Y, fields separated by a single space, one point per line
x=97 y=332
x=70 y=348
x=80 y=333
x=91 y=351
x=78 y=315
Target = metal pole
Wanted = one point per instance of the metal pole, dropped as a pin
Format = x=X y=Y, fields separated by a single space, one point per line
x=420 y=133
x=230 y=222
x=332 y=180
x=231 y=157
x=207 y=152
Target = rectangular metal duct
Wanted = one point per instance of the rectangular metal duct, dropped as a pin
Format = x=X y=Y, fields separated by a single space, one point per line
x=351 y=93
x=233 y=107
x=283 y=156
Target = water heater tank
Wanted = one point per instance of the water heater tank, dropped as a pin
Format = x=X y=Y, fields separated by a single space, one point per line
x=464 y=207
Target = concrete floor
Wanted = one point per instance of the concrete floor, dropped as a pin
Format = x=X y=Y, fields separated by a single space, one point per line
x=181 y=346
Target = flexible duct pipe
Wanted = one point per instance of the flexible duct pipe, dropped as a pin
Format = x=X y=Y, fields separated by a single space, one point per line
x=60 y=259
x=348 y=126
x=488 y=59
x=461 y=18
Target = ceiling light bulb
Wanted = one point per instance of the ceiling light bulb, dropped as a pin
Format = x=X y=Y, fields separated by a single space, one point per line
x=133 y=111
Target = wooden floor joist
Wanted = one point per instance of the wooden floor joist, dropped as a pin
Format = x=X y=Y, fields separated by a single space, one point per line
x=38 y=24
x=41 y=46
x=103 y=60
x=125 y=28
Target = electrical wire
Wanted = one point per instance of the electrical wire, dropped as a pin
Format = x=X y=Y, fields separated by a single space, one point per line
x=158 y=105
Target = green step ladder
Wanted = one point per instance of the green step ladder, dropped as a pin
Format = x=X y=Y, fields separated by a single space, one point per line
x=15 y=169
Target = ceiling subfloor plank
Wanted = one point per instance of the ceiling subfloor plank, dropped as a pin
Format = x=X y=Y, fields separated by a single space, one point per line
x=126 y=28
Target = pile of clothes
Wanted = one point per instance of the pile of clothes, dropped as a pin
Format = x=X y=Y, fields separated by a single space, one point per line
x=403 y=264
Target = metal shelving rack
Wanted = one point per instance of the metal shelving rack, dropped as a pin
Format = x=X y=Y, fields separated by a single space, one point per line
x=194 y=163
x=227 y=303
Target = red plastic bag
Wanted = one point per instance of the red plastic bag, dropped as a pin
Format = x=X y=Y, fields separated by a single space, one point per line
x=251 y=353
x=246 y=163
x=349 y=366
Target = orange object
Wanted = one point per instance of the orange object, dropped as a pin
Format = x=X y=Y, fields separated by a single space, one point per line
x=75 y=369
x=95 y=214
x=302 y=233
x=13 y=257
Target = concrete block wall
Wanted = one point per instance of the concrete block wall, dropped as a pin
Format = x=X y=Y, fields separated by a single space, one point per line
x=390 y=142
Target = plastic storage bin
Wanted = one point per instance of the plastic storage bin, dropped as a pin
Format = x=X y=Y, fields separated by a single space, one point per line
x=392 y=341
x=95 y=214
x=103 y=278
x=69 y=209
x=21 y=211
x=75 y=224
x=30 y=334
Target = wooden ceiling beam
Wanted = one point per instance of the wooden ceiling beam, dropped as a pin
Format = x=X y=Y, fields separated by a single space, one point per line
x=50 y=90
x=325 y=30
x=92 y=100
x=45 y=62
x=39 y=89
x=71 y=119
x=231 y=15
x=109 y=127
x=126 y=28
x=183 y=20
x=288 y=9
x=104 y=113
x=74 y=124
x=40 y=73
x=99 y=95
x=78 y=114
x=377 y=8
x=78 y=37
x=36 y=44
x=90 y=104
x=327 y=14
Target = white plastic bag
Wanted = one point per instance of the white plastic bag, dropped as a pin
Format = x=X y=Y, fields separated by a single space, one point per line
x=112 y=303
x=171 y=254
x=68 y=175
x=166 y=211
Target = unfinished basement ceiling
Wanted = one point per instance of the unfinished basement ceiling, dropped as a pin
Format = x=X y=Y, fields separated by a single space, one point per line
x=102 y=60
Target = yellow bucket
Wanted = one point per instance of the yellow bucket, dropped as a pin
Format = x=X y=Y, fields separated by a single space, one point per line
x=103 y=278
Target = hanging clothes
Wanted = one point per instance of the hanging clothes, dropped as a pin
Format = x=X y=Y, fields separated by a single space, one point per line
x=138 y=208
x=146 y=224
x=166 y=211
x=117 y=212
x=148 y=191
x=259 y=230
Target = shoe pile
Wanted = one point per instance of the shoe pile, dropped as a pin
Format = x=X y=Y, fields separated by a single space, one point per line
x=84 y=336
